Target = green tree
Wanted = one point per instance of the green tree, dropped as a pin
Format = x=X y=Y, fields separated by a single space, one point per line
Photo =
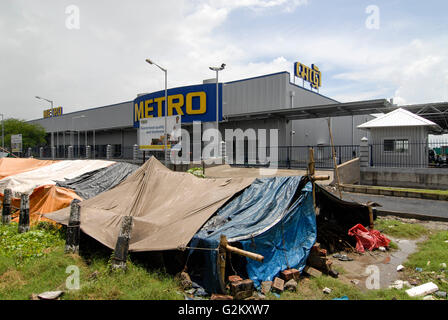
x=33 y=135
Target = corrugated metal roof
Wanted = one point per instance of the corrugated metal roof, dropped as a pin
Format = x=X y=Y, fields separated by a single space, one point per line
x=397 y=118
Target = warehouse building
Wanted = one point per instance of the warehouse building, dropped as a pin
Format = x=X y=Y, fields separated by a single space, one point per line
x=266 y=102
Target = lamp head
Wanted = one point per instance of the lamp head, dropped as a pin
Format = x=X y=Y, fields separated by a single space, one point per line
x=149 y=61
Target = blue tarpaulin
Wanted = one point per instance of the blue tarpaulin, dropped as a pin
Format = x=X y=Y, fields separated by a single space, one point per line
x=273 y=217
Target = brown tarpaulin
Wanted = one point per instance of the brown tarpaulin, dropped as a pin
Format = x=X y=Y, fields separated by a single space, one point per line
x=168 y=207
x=11 y=166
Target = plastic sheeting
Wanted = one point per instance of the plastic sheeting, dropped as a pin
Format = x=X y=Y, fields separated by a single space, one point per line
x=93 y=183
x=274 y=217
x=26 y=182
x=12 y=166
x=46 y=199
x=168 y=207
x=368 y=239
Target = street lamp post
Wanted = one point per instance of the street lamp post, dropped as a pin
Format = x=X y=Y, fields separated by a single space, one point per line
x=52 y=123
x=217 y=69
x=3 y=134
x=166 y=106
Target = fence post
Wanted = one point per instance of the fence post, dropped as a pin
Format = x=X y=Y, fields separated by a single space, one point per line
x=88 y=152
x=29 y=152
x=135 y=152
x=223 y=152
x=108 y=151
x=24 y=217
x=70 y=152
x=53 y=152
x=73 y=228
x=41 y=152
x=122 y=245
x=6 y=211
x=364 y=153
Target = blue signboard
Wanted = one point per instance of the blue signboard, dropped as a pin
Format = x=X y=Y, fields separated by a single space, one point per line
x=193 y=103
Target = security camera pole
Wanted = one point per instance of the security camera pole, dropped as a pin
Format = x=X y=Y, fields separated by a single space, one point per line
x=217 y=69
x=52 y=123
x=166 y=104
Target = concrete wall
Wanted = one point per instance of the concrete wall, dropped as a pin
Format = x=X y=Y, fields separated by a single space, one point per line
x=427 y=178
x=349 y=172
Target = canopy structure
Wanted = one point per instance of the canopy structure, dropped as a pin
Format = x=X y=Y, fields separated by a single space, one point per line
x=12 y=166
x=168 y=207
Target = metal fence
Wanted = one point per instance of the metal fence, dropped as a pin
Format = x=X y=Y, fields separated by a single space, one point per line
x=404 y=154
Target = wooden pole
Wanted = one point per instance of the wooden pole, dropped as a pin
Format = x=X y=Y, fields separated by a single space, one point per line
x=122 y=245
x=334 y=160
x=24 y=217
x=6 y=210
x=251 y=255
x=372 y=225
x=311 y=172
x=222 y=255
x=73 y=228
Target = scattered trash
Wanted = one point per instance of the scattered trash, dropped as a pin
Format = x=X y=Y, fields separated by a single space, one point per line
x=399 y=284
x=443 y=265
x=355 y=281
x=429 y=298
x=441 y=294
x=386 y=260
x=337 y=255
x=414 y=282
x=382 y=249
x=400 y=267
x=276 y=295
x=342 y=298
x=368 y=239
x=428 y=263
x=418 y=269
x=326 y=290
x=424 y=289
x=342 y=257
x=191 y=291
x=50 y=295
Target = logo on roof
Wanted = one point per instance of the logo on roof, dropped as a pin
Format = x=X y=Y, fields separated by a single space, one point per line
x=311 y=75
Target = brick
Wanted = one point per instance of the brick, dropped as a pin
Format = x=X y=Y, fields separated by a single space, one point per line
x=313 y=272
x=266 y=287
x=278 y=285
x=220 y=297
x=235 y=278
x=238 y=286
x=286 y=275
x=295 y=274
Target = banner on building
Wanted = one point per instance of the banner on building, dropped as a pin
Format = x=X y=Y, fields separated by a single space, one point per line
x=16 y=143
x=152 y=132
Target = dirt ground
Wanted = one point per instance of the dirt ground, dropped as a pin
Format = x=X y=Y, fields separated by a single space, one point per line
x=226 y=171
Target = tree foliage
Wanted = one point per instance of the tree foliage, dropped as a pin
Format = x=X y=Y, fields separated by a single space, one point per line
x=33 y=135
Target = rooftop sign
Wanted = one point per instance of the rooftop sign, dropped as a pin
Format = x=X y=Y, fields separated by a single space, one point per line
x=311 y=75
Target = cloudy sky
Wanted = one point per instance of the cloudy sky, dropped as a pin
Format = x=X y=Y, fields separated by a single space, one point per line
x=84 y=54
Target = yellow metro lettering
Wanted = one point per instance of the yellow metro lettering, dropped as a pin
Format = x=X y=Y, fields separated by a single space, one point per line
x=159 y=105
x=202 y=103
x=148 y=109
x=138 y=111
x=178 y=105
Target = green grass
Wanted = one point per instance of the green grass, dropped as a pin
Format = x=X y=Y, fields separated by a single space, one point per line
x=435 y=250
x=25 y=270
x=442 y=192
x=398 y=229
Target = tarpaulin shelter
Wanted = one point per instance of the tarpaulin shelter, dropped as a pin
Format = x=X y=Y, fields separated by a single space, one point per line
x=273 y=217
x=93 y=183
x=168 y=207
x=12 y=166
x=26 y=182
x=44 y=199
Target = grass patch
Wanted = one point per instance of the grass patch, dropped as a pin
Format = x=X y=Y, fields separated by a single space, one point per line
x=442 y=192
x=34 y=262
x=401 y=230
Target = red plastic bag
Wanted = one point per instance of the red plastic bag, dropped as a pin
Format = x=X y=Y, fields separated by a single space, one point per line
x=367 y=239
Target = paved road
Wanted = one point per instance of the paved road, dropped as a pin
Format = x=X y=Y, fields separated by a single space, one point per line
x=433 y=208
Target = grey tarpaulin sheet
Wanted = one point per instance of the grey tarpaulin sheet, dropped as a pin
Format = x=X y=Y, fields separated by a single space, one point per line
x=93 y=183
